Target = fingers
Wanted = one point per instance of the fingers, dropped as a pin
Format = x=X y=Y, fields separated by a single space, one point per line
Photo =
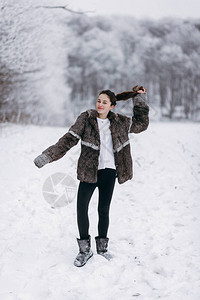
x=142 y=91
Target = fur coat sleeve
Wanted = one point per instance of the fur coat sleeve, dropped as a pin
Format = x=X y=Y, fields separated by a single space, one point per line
x=67 y=141
x=140 y=119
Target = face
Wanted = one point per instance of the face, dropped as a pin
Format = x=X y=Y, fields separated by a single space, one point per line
x=103 y=104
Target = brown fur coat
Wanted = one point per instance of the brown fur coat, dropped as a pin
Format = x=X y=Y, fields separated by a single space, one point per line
x=86 y=129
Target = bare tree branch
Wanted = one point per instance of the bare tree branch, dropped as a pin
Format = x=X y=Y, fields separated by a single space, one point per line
x=65 y=8
x=48 y=7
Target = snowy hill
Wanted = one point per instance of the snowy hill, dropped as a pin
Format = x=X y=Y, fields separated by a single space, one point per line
x=154 y=221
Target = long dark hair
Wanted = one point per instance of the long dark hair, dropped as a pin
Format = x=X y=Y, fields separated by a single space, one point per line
x=122 y=96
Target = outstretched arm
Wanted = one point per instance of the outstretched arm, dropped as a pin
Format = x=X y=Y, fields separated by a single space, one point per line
x=140 y=119
x=65 y=143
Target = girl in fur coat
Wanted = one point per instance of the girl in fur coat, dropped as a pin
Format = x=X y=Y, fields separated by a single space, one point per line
x=105 y=156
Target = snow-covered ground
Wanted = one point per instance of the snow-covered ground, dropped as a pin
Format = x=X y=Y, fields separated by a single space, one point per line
x=154 y=221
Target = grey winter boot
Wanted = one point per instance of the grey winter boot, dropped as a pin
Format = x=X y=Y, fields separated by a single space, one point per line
x=102 y=245
x=85 y=252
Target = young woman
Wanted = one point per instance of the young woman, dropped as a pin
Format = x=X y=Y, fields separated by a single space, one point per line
x=105 y=155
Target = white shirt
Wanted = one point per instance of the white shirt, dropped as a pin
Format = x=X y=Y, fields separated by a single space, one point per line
x=106 y=157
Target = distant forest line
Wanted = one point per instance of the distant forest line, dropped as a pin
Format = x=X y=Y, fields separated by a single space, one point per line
x=163 y=55
x=116 y=53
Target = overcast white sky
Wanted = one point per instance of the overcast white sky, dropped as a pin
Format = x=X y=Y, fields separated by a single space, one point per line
x=141 y=8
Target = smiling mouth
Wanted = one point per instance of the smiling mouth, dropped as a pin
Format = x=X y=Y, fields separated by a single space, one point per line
x=100 y=107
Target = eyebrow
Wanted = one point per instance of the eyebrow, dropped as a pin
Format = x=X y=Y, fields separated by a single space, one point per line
x=103 y=99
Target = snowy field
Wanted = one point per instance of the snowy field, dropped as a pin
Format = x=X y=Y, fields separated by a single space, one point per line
x=154 y=221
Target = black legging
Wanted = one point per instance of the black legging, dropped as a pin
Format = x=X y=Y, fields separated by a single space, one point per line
x=105 y=183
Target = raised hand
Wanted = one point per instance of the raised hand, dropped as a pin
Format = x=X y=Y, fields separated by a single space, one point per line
x=139 y=89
